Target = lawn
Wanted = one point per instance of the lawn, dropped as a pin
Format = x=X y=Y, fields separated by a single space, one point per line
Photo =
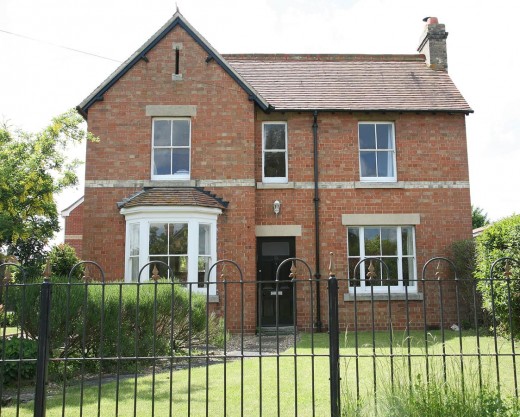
x=263 y=378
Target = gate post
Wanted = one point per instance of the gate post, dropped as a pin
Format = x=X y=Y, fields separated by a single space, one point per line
x=40 y=396
x=334 y=344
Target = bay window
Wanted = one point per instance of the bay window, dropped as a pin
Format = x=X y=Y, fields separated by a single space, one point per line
x=184 y=238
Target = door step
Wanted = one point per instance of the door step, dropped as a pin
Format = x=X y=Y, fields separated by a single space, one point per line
x=273 y=330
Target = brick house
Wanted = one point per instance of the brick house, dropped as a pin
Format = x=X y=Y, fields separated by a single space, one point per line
x=73 y=225
x=257 y=158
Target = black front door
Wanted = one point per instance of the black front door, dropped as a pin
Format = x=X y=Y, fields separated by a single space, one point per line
x=272 y=251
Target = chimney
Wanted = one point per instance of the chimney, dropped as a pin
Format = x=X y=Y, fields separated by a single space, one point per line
x=433 y=44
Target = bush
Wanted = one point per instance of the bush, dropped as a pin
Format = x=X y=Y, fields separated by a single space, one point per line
x=29 y=350
x=500 y=240
x=62 y=259
x=106 y=320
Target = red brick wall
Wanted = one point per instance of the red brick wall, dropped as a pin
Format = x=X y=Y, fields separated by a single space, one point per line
x=226 y=144
x=74 y=229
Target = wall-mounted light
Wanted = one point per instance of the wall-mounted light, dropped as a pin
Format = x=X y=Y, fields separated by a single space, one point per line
x=276 y=207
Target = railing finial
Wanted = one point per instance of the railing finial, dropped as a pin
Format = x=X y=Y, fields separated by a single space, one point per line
x=331 y=264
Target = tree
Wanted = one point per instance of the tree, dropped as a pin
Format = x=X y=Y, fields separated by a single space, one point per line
x=500 y=295
x=33 y=167
x=479 y=218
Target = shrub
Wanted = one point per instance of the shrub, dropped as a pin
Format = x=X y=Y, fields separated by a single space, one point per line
x=13 y=346
x=500 y=240
x=106 y=320
x=62 y=259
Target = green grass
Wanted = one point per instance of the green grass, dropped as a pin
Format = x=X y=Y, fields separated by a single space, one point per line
x=409 y=377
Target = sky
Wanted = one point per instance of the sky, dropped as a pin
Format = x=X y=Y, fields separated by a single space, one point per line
x=42 y=74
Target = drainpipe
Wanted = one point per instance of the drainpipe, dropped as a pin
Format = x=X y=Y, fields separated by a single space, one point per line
x=317 y=275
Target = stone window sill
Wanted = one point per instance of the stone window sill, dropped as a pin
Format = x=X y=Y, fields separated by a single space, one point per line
x=349 y=297
x=362 y=184
x=274 y=186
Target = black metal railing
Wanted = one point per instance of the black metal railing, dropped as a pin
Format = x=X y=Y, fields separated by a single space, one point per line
x=94 y=347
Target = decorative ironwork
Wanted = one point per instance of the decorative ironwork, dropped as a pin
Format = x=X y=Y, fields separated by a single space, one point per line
x=371 y=274
x=293 y=271
x=438 y=272
x=155 y=273
x=47 y=272
x=331 y=264
x=507 y=270
x=86 y=275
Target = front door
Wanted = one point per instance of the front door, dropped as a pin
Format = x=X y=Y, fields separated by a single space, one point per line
x=272 y=251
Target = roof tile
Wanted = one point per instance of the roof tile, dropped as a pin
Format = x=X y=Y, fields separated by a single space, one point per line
x=173 y=196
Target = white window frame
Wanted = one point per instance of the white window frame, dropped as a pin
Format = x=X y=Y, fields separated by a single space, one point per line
x=363 y=267
x=275 y=180
x=392 y=152
x=171 y=176
x=193 y=216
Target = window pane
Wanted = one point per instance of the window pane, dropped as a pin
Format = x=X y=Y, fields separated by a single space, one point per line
x=372 y=241
x=275 y=249
x=179 y=265
x=134 y=268
x=134 y=239
x=274 y=136
x=392 y=278
x=389 y=240
x=407 y=241
x=354 y=277
x=274 y=164
x=204 y=231
x=158 y=239
x=178 y=239
x=204 y=265
x=180 y=161
x=385 y=164
x=367 y=138
x=408 y=273
x=353 y=241
x=368 y=164
x=163 y=269
x=162 y=162
x=384 y=136
x=162 y=133
x=180 y=133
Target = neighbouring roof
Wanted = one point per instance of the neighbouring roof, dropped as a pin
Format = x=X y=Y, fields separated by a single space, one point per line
x=349 y=82
x=318 y=81
x=173 y=196
x=66 y=212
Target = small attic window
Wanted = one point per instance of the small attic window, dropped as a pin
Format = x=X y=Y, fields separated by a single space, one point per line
x=177 y=47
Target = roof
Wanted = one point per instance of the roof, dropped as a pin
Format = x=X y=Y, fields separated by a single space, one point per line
x=66 y=212
x=318 y=82
x=173 y=196
x=176 y=20
x=350 y=82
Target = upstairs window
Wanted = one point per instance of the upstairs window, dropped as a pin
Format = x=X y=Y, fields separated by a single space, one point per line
x=274 y=155
x=171 y=139
x=377 y=151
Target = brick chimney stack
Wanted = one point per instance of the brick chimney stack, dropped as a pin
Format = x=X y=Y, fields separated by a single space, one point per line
x=433 y=44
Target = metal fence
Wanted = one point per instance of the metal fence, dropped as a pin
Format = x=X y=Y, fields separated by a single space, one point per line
x=85 y=346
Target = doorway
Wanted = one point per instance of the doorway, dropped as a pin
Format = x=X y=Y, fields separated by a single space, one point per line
x=271 y=252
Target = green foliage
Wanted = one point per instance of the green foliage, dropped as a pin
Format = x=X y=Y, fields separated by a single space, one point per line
x=479 y=218
x=10 y=349
x=33 y=167
x=500 y=240
x=106 y=320
x=440 y=399
x=62 y=259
